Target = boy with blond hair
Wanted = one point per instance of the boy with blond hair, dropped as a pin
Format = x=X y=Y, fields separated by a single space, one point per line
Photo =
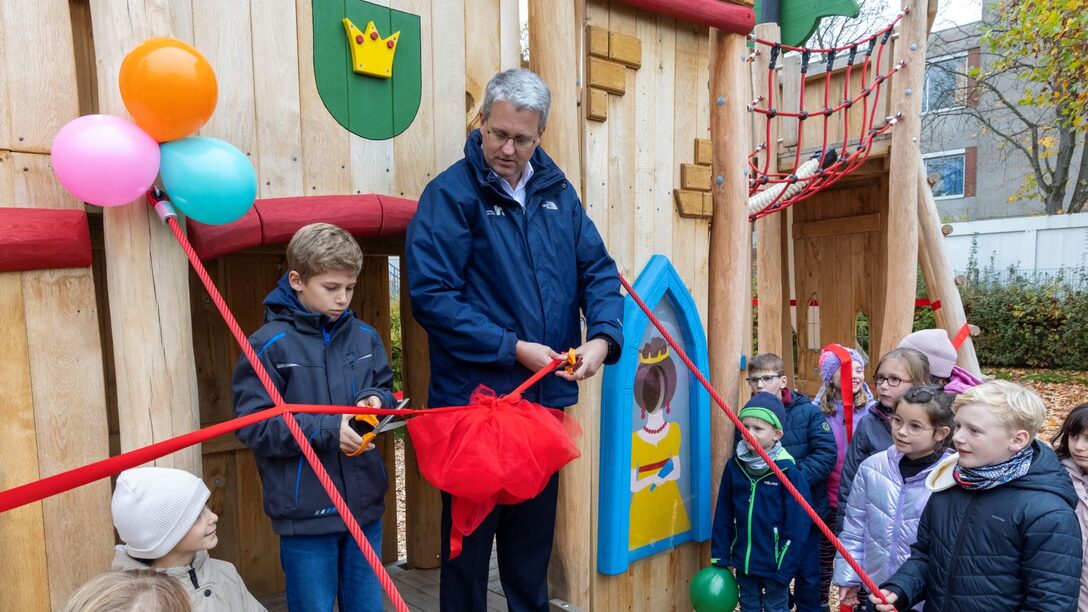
x=317 y=352
x=999 y=532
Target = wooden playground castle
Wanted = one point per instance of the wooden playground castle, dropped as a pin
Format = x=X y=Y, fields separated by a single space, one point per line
x=649 y=110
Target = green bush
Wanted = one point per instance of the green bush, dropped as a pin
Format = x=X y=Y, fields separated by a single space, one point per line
x=1026 y=321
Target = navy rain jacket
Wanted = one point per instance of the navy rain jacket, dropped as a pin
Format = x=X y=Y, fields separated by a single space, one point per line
x=483 y=274
x=1014 y=547
x=312 y=361
x=758 y=527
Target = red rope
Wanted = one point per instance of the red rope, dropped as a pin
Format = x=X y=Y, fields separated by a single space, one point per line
x=289 y=419
x=866 y=580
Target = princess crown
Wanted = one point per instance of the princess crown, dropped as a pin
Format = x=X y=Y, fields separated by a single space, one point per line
x=654 y=351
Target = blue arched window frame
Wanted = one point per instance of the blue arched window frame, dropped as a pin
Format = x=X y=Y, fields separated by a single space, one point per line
x=658 y=281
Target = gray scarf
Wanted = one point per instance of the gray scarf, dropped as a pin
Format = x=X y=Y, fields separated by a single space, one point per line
x=752 y=462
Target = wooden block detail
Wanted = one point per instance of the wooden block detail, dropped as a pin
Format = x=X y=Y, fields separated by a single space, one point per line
x=693 y=176
x=691 y=204
x=597 y=41
x=606 y=75
x=596 y=104
x=856 y=224
x=708 y=204
x=625 y=49
x=704 y=151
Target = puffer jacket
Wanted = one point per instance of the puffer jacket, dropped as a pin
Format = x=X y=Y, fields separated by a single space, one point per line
x=212 y=585
x=1015 y=547
x=880 y=519
x=1080 y=485
x=872 y=435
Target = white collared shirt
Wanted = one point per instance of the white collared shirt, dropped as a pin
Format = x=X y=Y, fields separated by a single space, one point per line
x=518 y=193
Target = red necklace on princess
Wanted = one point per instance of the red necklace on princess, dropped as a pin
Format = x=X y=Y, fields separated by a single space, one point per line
x=655 y=431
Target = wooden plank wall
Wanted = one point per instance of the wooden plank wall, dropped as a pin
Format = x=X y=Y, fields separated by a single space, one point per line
x=631 y=163
x=839 y=239
x=53 y=405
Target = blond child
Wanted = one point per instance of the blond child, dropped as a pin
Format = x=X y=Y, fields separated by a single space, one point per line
x=999 y=532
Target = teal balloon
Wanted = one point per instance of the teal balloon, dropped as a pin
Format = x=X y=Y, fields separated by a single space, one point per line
x=207 y=179
x=714 y=589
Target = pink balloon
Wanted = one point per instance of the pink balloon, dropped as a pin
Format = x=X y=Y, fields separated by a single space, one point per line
x=105 y=160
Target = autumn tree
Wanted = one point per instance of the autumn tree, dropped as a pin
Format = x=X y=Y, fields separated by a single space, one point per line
x=1031 y=92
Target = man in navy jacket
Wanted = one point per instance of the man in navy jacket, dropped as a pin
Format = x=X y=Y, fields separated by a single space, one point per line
x=502 y=264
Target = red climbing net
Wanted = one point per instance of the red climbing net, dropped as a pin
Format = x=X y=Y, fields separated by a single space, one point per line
x=771 y=191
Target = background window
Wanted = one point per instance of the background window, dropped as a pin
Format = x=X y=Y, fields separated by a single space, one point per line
x=946 y=83
x=949 y=171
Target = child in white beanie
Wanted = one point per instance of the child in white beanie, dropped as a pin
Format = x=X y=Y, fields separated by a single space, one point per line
x=162 y=517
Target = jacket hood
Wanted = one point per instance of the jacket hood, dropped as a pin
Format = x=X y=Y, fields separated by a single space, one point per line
x=1046 y=474
x=282 y=304
x=544 y=169
x=121 y=561
x=960 y=381
x=796 y=398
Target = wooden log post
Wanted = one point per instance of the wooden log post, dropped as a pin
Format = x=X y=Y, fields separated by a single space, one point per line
x=53 y=404
x=147 y=272
x=555 y=37
x=938 y=271
x=730 y=245
x=772 y=262
x=901 y=228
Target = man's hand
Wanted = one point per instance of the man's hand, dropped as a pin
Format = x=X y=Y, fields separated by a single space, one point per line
x=349 y=440
x=590 y=357
x=889 y=596
x=848 y=596
x=533 y=356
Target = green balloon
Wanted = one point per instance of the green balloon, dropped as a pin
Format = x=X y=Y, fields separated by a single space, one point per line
x=714 y=589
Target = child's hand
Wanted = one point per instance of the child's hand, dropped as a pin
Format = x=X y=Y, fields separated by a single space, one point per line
x=349 y=440
x=370 y=401
x=889 y=596
x=848 y=596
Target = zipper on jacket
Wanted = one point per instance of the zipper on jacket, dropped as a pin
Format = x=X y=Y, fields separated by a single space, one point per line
x=776 y=561
x=956 y=550
x=751 y=506
x=192 y=577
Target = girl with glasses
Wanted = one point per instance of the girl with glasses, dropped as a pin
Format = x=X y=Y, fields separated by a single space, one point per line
x=880 y=518
x=896 y=372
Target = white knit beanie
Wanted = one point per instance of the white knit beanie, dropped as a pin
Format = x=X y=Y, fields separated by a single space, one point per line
x=934 y=343
x=153 y=508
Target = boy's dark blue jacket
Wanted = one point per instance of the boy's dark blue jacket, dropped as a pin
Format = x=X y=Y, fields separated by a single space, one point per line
x=483 y=274
x=1014 y=547
x=758 y=527
x=312 y=360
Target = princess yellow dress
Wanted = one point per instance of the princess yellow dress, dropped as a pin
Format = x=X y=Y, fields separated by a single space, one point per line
x=660 y=513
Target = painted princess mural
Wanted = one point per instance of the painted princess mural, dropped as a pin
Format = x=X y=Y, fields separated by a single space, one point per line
x=657 y=508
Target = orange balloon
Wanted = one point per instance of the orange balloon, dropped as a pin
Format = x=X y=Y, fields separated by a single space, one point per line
x=168 y=87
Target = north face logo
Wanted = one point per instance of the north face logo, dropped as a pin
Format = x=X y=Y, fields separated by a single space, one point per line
x=496 y=211
x=550 y=205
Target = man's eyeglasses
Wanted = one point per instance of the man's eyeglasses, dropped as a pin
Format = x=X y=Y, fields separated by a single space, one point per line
x=521 y=143
x=893 y=381
x=913 y=428
x=766 y=380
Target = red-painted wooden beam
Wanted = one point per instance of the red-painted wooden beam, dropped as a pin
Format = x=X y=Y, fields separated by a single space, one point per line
x=734 y=18
x=273 y=221
x=41 y=238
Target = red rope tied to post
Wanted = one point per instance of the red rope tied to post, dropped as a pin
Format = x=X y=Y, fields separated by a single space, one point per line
x=816 y=520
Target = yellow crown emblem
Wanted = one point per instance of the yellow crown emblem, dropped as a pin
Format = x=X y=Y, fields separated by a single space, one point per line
x=654 y=352
x=371 y=54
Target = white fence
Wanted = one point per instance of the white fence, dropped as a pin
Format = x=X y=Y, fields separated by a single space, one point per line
x=1041 y=244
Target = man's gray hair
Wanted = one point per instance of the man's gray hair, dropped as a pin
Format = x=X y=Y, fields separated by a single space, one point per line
x=520 y=87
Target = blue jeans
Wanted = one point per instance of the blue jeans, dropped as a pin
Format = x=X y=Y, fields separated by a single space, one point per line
x=326 y=568
x=758 y=594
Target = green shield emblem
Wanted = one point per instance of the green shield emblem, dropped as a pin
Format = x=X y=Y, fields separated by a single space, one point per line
x=368 y=66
